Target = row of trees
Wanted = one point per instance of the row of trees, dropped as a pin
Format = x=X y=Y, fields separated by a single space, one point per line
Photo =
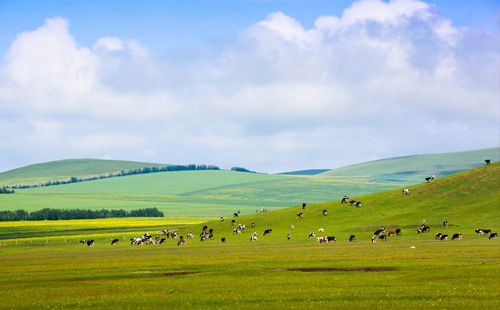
x=118 y=174
x=75 y=214
x=5 y=190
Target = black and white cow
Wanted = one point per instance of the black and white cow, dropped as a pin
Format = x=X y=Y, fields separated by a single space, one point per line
x=301 y=215
x=374 y=239
x=445 y=223
x=83 y=241
x=438 y=236
x=353 y=202
x=174 y=235
x=444 y=237
x=312 y=235
x=268 y=232
x=233 y=222
x=383 y=237
x=380 y=231
x=352 y=238
x=288 y=236
x=114 y=241
x=345 y=199
x=358 y=204
x=330 y=239
x=235 y=214
x=90 y=243
x=493 y=235
x=162 y=240
x=406 y=191
x=398 y=231
x=428 y=179
x=456 y=236
x=325 y=212
x=253 y=224
x=488 y=162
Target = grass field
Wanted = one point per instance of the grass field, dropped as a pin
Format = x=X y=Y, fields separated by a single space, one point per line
x=276 y=273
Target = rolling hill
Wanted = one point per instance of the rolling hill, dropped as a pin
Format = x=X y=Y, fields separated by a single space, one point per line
x=414 y=169
x=63 y=169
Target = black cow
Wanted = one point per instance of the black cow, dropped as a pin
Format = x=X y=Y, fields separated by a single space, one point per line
x=325 y=212
x=444 y=237
x=438 y=236
x=90 y=243
x=352 y=238
x=162 y=240
x=223 y=240
x=488 y=162
x=445 y=223
x=211 y=231
x=330 y=239
x=268 y=231
x=233 y=222
x=428 y=179
x=235 y=214
x=457 y=236
x=383 y=237
x=493 y=235
x=398 y=231
x=486 y=231
x=304 y=205
x=205 y=228
x=114 y=241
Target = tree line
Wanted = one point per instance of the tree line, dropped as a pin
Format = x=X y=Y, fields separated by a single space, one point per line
x=118 y=174
x=5 y=190
x=75 y=214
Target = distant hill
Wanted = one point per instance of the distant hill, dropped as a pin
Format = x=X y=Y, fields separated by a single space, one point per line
x=305 y=172
x=414 y=169
x=68 y=168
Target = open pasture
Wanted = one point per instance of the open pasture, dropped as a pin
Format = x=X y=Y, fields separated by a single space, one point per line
x=408 y=271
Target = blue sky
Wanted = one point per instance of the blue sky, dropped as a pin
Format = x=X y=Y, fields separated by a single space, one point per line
x=268 y=85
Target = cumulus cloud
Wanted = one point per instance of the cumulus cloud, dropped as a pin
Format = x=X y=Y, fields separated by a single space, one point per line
x=384 y=78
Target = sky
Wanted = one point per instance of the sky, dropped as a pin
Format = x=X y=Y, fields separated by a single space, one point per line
x=269 y=85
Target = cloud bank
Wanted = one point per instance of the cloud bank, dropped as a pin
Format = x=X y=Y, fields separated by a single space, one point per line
x=382 y=80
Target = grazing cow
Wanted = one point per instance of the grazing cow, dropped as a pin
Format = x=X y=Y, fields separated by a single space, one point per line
x=211 y=230
x=166 y=232
x=398 y=231
x=426 y=229
x=301 y=215
x=304 y=205
x=330 y=239
x=325 y=212
x=383 y=237
x=190 y=235
x=114 y=241
x=181 y=241
x=392 y=232
x=253 y=224
x=254 y=237
x=438 y=236
x=445 y=223
x=262 y=210
x=235 y=214
x=345 y=199
x=486 y=231
x=457 y=236
x=358 y=204
x=288 y=236
x=488 y=162
x=268 y=232
x=374 y=239
x=233 y=222
x=380 y=231
x=150 y=241
x=222 y=219
x=352 y=238
x=428 y=179
x=205 y=228
x=174 y=235
x=493 y=235
x=312 y=235
x=433 y=177
x=291 y=227
x=321 y=230
x=320 y=239
x=444 y=237
x=236 y=231
x=353 y=202
x=162 y=240
x=406 y=191
x=83 y=241
x=223 y=240
x=478 y=231
x=90 y=243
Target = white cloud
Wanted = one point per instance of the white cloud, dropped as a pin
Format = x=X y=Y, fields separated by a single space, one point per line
x=277 y=97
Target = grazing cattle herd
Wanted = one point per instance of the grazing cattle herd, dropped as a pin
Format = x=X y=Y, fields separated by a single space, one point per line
x=208 y=233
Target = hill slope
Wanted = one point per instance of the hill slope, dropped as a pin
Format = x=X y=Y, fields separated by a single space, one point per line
x=62 y=169
x=414 y=169
x=467 y=200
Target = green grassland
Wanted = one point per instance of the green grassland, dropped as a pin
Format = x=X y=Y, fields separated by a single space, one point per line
x=410 y=271
x=414 y=169
x=63 y=169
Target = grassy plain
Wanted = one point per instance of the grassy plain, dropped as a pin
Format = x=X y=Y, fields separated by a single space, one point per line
x=276 y=273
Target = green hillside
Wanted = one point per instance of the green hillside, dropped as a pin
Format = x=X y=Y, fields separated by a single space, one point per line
x=467 y=200
x=63 y=169
x=414 y=169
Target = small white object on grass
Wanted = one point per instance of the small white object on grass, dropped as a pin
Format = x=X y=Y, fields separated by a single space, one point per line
x=412 y=247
